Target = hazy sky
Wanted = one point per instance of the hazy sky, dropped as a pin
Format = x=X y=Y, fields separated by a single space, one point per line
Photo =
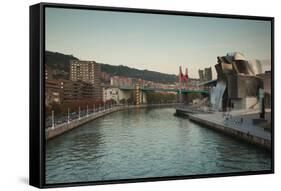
x=154 y=42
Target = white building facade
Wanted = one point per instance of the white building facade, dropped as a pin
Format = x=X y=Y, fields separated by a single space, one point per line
x=116 y=94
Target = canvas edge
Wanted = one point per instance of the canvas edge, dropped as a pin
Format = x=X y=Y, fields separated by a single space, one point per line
x=37 y=140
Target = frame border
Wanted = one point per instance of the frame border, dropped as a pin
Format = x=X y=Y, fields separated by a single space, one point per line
x=37 y=173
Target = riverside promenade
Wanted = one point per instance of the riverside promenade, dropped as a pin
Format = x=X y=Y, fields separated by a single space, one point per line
x=234 y=126
x=57 y=130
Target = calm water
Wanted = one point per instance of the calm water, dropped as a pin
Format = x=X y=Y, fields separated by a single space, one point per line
x=146 y=143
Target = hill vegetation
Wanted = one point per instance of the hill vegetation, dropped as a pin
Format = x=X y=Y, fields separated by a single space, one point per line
x=136 y=73
x=60 y=64
x=58 y=61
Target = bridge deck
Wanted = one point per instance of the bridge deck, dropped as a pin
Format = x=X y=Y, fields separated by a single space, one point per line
x=166 y=90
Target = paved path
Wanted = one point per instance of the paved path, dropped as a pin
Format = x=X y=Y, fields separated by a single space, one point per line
x=234 y=122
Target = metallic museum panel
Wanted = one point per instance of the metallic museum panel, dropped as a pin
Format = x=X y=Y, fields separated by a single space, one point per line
x=255 y=66
x=241 y=86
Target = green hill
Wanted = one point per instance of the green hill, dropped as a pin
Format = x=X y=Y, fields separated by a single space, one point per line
x=136 y=73
x=60 y=64
x=58 y=61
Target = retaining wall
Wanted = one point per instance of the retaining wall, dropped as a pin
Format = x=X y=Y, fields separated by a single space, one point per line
x=62 y=128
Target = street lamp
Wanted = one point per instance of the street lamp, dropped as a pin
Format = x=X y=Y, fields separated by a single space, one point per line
x=53 y=120
x=68 y=120
x=79 y=113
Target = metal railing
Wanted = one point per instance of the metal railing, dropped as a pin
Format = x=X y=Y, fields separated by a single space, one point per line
x=53 y=121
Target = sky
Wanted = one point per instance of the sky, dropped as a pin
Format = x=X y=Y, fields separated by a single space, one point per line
x=154 y=42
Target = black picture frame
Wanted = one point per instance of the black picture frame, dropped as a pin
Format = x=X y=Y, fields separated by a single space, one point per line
x=37 y=88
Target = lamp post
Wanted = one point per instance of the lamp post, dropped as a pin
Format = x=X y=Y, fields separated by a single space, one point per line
x=53 y=119
x=79 y=113
x=68 y=117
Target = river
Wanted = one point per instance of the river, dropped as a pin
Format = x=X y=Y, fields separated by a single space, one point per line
x=141 y=143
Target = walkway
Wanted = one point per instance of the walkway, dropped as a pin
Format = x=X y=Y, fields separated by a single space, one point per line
x=234 y=122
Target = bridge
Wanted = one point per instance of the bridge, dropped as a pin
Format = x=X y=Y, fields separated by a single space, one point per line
x=141 y=91
x=182 y=91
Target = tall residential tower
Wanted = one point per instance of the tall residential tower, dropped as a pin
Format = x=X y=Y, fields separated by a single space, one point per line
x=89 y=72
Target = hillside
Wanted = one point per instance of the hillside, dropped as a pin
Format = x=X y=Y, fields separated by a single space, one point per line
x=136 y=73
x=60 y=64
x=58 y=61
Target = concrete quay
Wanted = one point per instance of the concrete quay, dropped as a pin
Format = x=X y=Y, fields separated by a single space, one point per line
x=244 y=130
x=186 y=111
x=64 y=127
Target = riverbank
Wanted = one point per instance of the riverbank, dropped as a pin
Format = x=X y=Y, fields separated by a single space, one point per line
x=53 y=132
x=245 y=130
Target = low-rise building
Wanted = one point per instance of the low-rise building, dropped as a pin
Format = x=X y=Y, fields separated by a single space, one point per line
x=116 y=94
x=62 y=91
x=121 y=81
x=53 y=92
